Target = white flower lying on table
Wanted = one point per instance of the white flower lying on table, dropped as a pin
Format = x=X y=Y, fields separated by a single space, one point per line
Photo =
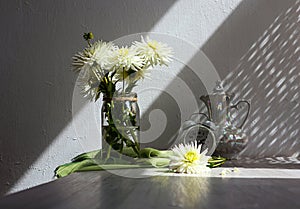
x=189 y=159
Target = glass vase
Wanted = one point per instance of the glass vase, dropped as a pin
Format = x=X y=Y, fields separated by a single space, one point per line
x=120 y=120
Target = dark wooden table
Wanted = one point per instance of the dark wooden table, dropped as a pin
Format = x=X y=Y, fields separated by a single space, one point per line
x=91 y=190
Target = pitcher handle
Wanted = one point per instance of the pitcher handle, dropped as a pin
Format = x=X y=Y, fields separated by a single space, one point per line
x=199 y=113
x=248 y=110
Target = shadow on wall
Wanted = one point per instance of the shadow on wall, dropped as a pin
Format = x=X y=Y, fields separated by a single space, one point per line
x=172 y=109
x=269 y=75
x=255 y=51
x=37 y=44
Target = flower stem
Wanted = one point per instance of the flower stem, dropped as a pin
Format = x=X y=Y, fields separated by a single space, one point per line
x=108 y=154
x=123 y=81
x=89 y=43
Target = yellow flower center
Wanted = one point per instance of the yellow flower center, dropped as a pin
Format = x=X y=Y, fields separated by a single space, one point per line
x=153 y=44
x=191 y=156
x=123 y=51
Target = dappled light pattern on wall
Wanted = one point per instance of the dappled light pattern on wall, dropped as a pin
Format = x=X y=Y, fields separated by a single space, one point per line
x=269 y=76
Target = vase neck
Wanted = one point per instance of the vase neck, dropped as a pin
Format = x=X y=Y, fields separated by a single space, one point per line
x=132 y=96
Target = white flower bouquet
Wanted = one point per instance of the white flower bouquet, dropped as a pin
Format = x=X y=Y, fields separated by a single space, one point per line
x=103 y=65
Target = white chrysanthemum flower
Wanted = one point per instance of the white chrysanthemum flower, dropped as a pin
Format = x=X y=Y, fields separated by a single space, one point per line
x=89 y=79
x=153 y=52
x=131 y=75
x=140 y=74
x=189 y=159
x=99 y=52
x=125 y=58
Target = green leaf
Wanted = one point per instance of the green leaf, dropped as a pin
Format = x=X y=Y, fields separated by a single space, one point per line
x=149 y=157
x=87 y=155
x=215 y=161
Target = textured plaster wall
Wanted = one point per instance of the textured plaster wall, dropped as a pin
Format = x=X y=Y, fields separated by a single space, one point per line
x=38 y=38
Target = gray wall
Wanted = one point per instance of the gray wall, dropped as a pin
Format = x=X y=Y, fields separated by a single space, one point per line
x=254 y=45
